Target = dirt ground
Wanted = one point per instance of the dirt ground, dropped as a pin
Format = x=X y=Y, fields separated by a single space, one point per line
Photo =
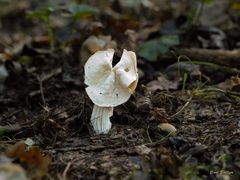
x=44 y=106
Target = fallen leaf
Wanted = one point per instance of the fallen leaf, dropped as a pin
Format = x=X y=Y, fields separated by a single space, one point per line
x=136 y=3
x=130 y=38
x=81 y=10
x=142 y=150
x=143 y=103
x=152 y=49
x=215 y=13
x=144 y=33
x=198 y=149
x=162 y=84
x=176 y=71
x=93 y=44
x=230 y=84
x=37 y=164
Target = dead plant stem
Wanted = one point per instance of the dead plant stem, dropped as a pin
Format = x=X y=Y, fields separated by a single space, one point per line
x=185 y=105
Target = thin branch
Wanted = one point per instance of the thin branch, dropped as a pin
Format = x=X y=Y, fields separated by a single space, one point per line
x=41 y=90
x=184 y=107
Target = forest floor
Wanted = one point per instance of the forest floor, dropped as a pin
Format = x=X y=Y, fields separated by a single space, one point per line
x=45 y=112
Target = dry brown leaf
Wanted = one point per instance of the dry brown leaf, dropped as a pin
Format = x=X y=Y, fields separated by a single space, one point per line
x=37 y=164
x=215 y=14
x=144 y=33
x=142 y=149
x=93 y=44
x=143 y=103
x=162 y=84
x=130 y=40
x=230 y=84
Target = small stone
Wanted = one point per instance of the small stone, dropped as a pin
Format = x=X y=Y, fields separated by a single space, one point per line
x=166 y=127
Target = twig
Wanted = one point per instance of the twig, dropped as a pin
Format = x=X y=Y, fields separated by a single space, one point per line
x=230 y=58
x=83 y=148
x=226 y=69
x=148 y=135
x=185 y=105
x=54 y=72
x=49 y=176
x=219 y=90
x=64 y=175
x=41 y=79
x=162 y=140
x=41 y=90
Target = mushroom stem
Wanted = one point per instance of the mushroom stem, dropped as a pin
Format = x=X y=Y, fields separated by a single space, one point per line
x=100 y=119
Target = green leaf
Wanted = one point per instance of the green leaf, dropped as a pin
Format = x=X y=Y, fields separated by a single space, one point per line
x=207 y=1
x=131 y=3
x=152 y=49
x=82 y=10
x=149 y=50
x=170 y=40
x=42 y=14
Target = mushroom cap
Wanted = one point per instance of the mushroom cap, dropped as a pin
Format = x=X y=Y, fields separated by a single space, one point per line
x=110 y=86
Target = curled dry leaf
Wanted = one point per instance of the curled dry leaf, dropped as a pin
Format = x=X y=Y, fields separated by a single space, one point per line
x=143 y=103
x=230 y=84
x=93 y=44
x=37 y=164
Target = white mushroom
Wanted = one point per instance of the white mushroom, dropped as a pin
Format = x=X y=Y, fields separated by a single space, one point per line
x=109 y=86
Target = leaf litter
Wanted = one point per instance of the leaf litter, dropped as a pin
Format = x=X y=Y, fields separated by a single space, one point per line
x=181 y=123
